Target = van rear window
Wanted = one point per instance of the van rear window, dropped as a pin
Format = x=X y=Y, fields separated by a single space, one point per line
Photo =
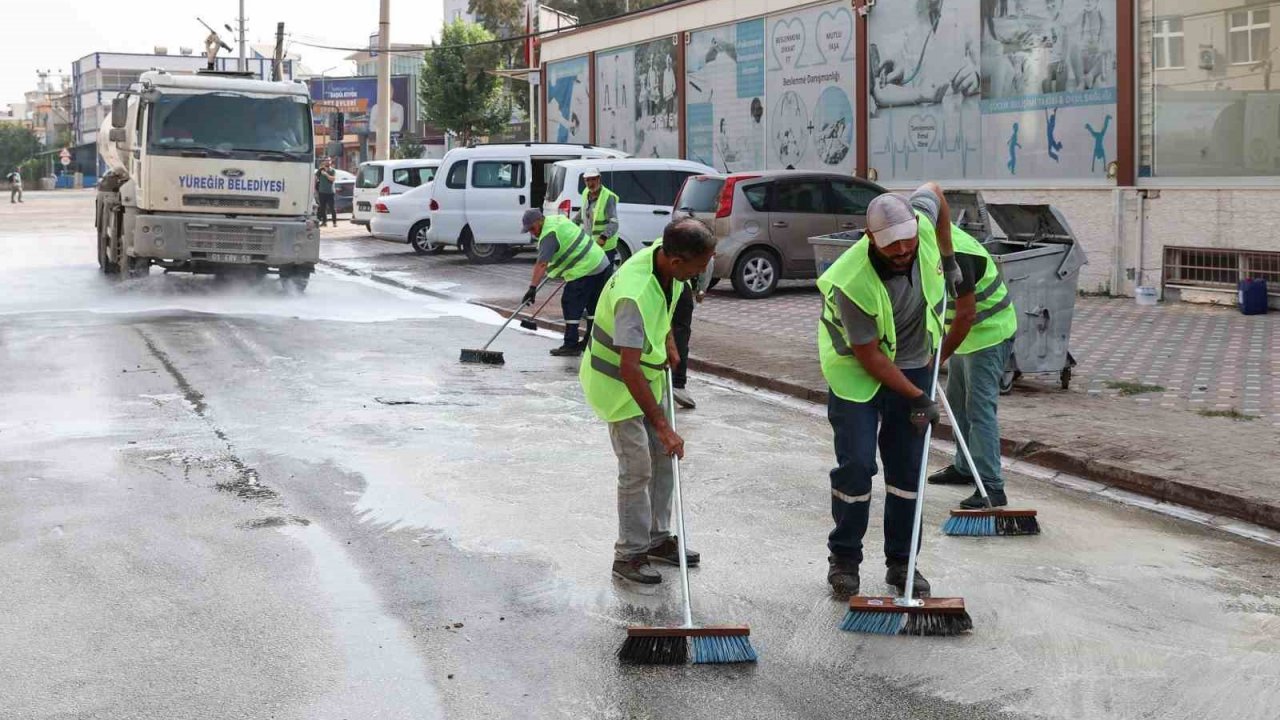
x=370 y=176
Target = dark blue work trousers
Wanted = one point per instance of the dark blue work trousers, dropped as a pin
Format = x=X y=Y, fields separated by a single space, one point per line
x=859 y=427
x=578 y=299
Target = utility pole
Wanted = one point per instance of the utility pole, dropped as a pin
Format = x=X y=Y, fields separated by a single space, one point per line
x=382 y=123
x=242 y=66
x=531 y=26
x=277 y=65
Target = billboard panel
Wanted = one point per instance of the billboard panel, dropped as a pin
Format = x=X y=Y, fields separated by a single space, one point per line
x=724 y=87
x=568 y=101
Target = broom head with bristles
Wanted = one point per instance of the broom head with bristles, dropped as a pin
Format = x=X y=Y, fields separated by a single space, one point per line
x=984 y=522
x=676 y=645
x=882 y=616
x=484 y=357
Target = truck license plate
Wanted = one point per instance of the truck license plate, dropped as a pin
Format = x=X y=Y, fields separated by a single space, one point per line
x=229 y=258
x=362 y=207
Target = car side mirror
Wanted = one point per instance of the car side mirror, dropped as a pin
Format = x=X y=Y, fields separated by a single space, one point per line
x=120 y=112
x=116 y=135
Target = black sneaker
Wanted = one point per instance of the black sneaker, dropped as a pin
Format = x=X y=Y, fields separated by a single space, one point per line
x=637 y=570
x=842 y=575
x=975 y=501
x=949 y=475
x=896 y=576
x=669 y=552
x=567 y=351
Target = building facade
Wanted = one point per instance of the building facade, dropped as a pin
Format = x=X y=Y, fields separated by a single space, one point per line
x=1150 y=123
x=97 y=78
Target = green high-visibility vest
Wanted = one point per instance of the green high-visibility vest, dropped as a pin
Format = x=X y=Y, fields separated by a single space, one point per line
x=997 y=319
x=855 y=276
x=601 y=221
x=578 y=254
x=601 y=369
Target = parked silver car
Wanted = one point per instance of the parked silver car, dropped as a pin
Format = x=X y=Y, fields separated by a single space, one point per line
x=763 y=221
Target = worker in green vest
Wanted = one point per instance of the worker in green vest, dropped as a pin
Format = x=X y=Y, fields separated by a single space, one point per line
x=566 y=251
x=623 y=376
x=974 y=372
x=882 y=320
x=599 y=213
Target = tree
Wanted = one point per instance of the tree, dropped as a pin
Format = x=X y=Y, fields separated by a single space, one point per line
x=17 y=144
x=458 y=90
x=506 y=19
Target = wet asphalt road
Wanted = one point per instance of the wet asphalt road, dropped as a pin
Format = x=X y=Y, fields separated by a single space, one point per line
x=220 y=500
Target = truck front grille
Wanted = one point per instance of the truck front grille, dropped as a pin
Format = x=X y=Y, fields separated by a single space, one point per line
x=231 y=201
x=207 y=237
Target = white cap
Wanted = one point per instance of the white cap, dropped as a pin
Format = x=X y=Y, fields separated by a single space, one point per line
x=890 y=219
x=590 y=173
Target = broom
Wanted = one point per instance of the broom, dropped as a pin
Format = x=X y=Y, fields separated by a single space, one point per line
x=988 y=521
x=672 y=645
x=530 y=322
x=909 y=615
x=484 y=355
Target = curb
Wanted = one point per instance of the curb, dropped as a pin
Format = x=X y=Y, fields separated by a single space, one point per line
x=1159 y=488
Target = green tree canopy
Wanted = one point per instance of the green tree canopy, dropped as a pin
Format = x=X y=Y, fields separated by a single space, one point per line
x=17 y=144
x=458 y=90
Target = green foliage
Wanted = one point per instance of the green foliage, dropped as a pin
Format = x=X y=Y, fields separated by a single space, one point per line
x=408 y=150
x=506 y=19
x=17 y=144
x=32 y=170
x=458 y=90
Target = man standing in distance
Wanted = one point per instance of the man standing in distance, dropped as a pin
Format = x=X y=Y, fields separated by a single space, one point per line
x=324 y=191
x=881 y=323
x=623 y=376
x=599 y=213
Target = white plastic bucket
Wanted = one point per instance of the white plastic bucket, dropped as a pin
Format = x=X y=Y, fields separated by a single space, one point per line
x=1145 y=295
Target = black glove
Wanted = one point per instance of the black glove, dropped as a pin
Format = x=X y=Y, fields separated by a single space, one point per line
x=530 y=295
x=951 y=272
x=924 y=412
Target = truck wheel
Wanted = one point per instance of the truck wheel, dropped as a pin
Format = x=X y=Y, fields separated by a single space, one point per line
x=756 y=274
x=483 y=253
x=418 y=240
x=132 y=267
x=295 y=278
x=104 y=257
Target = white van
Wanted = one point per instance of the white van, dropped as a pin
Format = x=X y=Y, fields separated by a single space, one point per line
x=379 y=178
x=646 y=188
x=484 y=189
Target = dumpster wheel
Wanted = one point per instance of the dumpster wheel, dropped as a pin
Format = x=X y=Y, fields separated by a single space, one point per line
x=1065 y=378
x=1007 y=380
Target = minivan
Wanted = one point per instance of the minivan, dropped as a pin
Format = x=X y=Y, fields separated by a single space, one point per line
x=484 y=189
x=763 y=221
x=378 y=178
x=646 y=189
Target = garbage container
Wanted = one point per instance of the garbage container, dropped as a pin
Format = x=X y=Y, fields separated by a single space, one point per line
x=1040 y=262
x=828 y=248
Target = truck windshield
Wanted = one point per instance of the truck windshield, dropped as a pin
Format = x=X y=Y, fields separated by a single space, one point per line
x=228 y=123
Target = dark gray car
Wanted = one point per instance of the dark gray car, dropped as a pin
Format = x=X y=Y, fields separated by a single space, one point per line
x=763 y=221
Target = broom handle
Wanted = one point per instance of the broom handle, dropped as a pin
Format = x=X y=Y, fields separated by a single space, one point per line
x=512 y=316
x=675 y=481
x=908 y=598
x=550 y=297
x=964 y=448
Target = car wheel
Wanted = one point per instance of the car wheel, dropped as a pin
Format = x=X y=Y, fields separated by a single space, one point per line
x=714 y=281
x=624 y=252
x=483 y=253
x=756 y=274
x=418 y=239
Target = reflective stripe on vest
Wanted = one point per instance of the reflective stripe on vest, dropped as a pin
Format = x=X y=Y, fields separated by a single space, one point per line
x=996 y=320
x=855 y=276
x=577 y=255
x=598 y=221
x=600 y=372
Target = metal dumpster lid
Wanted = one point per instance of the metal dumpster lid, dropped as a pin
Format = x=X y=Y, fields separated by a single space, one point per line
x=1031 y=223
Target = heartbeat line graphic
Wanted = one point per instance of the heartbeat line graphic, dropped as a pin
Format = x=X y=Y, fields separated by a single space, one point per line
x=942 y=145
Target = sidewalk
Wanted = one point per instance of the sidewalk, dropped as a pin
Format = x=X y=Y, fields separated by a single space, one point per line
x=1178 y=361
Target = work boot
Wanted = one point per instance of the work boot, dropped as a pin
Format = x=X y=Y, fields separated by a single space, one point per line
x=842 y=575
x=637 y=570
x=975 y=501
x=567 y=351
x=683 y=398
x=669 y=552
x=949 y=475
x=896 y=576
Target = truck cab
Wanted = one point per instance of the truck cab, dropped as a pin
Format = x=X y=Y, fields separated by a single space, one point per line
x=209 y=173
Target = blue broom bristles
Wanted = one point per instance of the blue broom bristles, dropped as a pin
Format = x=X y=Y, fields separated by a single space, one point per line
x=722 y=649
x=970 y=525
x=875 y=623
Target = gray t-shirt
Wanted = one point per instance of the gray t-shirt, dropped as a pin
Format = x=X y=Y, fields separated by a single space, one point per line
x=628 y=325
x=549 y=245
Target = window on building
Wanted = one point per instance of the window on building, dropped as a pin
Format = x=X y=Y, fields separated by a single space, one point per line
x=457 y=15
x=1166 y=41
x=1209 y=96
x=1249 y=36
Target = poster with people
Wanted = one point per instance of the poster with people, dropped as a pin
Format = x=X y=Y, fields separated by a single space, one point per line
x=569 y=101
x=724 y=91
x=809 y=118
x=995 y=89
x=925 y=105
x=1048 y=87
x=657 y=105
x=615 y=106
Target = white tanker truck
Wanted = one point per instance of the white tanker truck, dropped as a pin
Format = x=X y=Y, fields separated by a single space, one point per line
x=208 y=173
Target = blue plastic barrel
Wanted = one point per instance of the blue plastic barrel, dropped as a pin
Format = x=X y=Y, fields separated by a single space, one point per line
x=1253 y=296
